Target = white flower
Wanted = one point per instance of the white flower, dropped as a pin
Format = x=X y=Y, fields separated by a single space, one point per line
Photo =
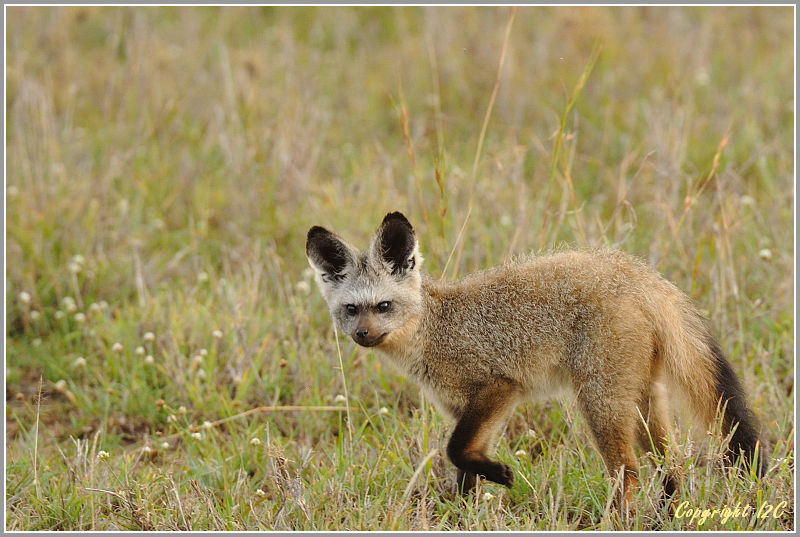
x=79 y=362
x=747 y=201
x=74 y=268
x=94 y=307
x=149 y=336
x=24 y=297
x=78 y=258
x=139 y=350
x=217 y=334
x=260 y=492
x=69 y=303
x=531 y=433
x=80 y=318
x=201 y=374
x=303 y=287
x=149 y=359
x=59 y=314
x=255 y=442
x=147 y=450
x=164 y=445
x=202 y=352
x=35 y=315
x=339 y=399
x=103 y=305
x=765 y=254
x=197 y=359
x=60 y=385
x=202 y=276
x=171 y=418
x=520 y=453
x=383 y=410
x=197 y=436
x=181 y=409
x=117 y=347
x=207 y=425
x=102 y=454
x=488 y=496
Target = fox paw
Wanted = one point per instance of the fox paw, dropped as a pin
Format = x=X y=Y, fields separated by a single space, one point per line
x=501 y=473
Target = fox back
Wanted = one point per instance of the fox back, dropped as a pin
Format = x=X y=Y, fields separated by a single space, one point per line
x=599 y=323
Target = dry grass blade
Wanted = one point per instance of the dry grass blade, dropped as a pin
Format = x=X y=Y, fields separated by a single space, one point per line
x=459 y=245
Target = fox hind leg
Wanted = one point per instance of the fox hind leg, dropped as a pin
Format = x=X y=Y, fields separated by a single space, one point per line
x=471 y=443
x=653 y=430
x=614 y=431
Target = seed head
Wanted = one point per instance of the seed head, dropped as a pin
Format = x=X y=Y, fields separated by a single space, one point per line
x=149 y=336
x=24 y=297
x=69 y=304
x=303 y=287
x=117 y=347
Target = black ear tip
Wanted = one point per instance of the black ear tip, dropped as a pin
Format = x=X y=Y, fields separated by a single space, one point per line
x=398 y=217
x=315 y=235
x=316 y=231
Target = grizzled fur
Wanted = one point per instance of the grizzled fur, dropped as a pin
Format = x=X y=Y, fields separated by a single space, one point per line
x=601 y=324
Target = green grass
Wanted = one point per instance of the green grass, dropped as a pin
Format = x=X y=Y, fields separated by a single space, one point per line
x=183 y=153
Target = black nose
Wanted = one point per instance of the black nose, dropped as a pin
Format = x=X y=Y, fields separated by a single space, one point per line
x=361 y=332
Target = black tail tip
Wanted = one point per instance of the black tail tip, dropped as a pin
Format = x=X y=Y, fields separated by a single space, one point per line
x=751 y=452
x=738 y=417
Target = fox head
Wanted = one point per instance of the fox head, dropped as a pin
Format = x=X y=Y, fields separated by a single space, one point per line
x=374 y=293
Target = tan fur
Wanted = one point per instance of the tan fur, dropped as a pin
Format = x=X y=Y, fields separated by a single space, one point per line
x=601 y=323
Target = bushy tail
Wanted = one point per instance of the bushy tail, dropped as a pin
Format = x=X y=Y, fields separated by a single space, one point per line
x=694 y=361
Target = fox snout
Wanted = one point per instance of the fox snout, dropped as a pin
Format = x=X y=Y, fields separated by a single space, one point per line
x=367 y=334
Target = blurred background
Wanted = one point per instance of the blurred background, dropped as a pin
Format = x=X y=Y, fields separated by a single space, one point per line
x=165 y=163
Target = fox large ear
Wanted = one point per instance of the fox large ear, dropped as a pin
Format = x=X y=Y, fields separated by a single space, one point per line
x=396 y=244
x=328 y=255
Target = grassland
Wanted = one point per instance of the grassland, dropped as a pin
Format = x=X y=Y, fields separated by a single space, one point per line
x=169 y=364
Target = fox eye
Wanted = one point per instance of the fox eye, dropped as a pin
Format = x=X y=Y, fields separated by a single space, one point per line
x=384 y=306
x=351 y=309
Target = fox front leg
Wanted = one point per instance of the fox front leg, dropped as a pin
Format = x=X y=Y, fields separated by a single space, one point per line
x=471 y=443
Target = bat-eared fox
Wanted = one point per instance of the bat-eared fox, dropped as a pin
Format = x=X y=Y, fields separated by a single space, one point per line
x=601 y=323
